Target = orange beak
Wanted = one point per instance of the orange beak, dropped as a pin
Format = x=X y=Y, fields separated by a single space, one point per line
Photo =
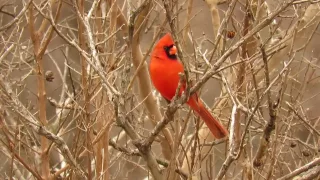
x=173 y=50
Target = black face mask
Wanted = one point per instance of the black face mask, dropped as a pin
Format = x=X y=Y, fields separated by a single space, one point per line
x=167 y=50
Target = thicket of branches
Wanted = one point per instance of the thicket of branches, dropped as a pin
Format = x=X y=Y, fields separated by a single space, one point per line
x=77 y=101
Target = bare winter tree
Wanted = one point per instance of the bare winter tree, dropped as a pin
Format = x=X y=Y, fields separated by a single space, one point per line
x=76 y=100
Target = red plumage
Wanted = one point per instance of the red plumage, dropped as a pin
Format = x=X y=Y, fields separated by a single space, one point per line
x=164 y=72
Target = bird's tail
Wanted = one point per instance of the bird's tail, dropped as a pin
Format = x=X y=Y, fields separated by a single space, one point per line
x=216 y=128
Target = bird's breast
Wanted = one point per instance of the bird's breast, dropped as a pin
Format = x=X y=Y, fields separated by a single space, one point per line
x=165 y=76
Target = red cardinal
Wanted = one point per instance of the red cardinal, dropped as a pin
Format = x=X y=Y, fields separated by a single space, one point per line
x=164 y=71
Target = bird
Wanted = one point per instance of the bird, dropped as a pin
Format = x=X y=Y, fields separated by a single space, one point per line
x=164 y=69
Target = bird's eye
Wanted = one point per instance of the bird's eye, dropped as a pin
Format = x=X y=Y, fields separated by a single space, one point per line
x=170 y=51
x=167 y=48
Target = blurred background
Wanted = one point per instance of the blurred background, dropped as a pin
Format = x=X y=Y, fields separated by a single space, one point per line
x=65 y=60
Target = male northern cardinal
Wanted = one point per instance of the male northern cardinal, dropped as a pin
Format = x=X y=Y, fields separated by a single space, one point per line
x=164 y=71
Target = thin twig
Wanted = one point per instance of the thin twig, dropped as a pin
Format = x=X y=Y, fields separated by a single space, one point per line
x=301 y=169
x=302 y=119
x=9 y=98
x=270 y=126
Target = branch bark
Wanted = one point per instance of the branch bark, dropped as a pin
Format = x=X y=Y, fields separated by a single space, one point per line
x=40 y=43
x=8 y=98
x=136 y=25
x=306 y=167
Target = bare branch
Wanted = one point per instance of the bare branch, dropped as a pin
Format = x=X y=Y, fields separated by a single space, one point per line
x=302 y=169
x=9 y=98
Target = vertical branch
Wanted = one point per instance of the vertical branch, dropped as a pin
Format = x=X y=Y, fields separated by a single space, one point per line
x=270 y=126
x=105 y=114
x=173 y=161
x=144 y=149
x=42 y=112
x=36 y=37
x=235 y=134
x=135 y=27
x=46 y=40
x=240 y=81
x=187 y=21
x=112 y=29
x=99 y=101
x=215 y=17
x=84 y=83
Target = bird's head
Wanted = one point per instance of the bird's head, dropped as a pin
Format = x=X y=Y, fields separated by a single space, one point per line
x=166 y=47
